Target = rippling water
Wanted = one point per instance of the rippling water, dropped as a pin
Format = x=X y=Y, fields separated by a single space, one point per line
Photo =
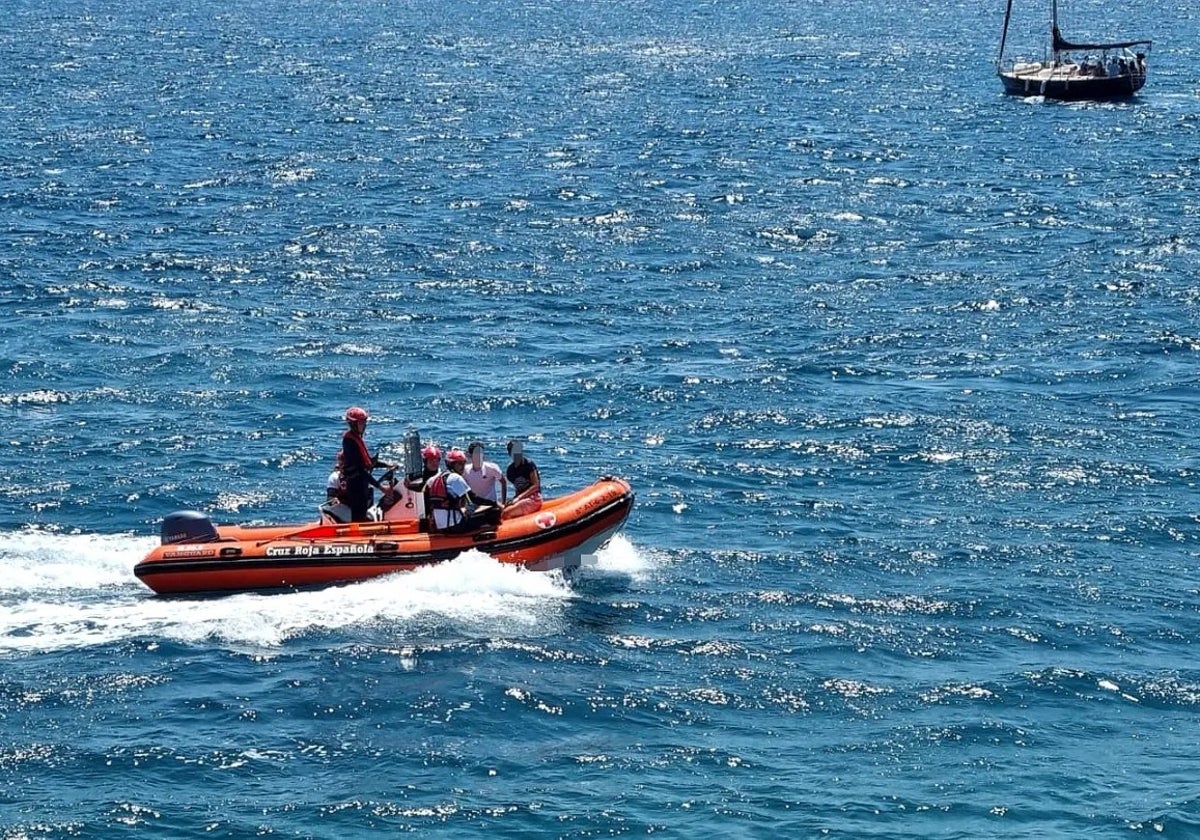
x=903 y=371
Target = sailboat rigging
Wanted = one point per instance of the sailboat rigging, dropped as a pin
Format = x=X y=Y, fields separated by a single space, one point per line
x=1075 y=71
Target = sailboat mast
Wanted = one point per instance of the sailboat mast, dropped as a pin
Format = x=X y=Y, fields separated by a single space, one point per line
x=1004 y=36
x=1054 y=28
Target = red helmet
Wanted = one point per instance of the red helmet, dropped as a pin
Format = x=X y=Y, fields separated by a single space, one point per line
x=456 y=456
x=354 y=414
x=431 y=451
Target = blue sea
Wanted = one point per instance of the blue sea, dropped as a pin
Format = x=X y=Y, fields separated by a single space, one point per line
x=905 y=374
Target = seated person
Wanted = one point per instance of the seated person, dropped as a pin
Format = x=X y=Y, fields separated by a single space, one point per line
x=335 y=485
x=335 y=511
x=432 y=456
x=484 y=476
x=523 y=475
x=455 y=510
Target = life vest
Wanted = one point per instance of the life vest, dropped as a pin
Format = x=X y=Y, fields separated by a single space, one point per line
x=355 y=470
x=437 y=496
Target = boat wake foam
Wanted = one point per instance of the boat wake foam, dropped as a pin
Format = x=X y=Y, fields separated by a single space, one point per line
x=61 y=591
x=620 y=557
x=33 y=560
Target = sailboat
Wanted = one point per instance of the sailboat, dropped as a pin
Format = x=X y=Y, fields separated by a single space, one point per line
x=1075 y=71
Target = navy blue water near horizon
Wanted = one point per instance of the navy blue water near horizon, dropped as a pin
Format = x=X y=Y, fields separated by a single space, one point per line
x=903 y=372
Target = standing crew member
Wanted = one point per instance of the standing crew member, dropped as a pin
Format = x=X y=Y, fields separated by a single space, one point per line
x=357 y=464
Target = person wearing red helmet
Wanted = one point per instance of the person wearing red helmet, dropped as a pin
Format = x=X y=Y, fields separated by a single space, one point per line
x=432 y=457
x=357 y=464
x=455 y=510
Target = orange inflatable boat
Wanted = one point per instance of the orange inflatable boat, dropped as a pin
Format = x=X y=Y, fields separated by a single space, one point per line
x=197 y=557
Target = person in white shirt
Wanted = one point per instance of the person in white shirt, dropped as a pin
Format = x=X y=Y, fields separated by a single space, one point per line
x=335 y=509
x=483 y=476
x=335 y=485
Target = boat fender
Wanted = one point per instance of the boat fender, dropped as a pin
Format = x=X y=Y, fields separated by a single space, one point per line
x=189 y=526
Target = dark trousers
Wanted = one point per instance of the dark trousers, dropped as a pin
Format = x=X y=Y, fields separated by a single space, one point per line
x=358 y=496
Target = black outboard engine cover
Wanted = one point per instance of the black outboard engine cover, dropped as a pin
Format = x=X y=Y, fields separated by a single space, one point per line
x=187 y=526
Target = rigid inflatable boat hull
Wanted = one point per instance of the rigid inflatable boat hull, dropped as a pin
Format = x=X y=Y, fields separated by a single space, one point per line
x=563 y=535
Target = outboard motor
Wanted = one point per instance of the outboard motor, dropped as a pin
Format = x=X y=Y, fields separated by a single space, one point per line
x=187 y=526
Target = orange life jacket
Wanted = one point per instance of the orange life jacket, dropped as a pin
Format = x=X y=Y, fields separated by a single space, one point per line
x=437 y=496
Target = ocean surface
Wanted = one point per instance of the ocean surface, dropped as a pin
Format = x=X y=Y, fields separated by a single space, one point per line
x=905 y=374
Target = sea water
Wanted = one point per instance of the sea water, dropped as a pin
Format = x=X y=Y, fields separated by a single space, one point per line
x=903 y=372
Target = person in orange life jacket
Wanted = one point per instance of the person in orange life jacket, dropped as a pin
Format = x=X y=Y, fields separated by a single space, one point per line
x=523 y=475
x=357 y=464
x=483 y=476
x=455 y=510
x=418 y=482
x=431 y=456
